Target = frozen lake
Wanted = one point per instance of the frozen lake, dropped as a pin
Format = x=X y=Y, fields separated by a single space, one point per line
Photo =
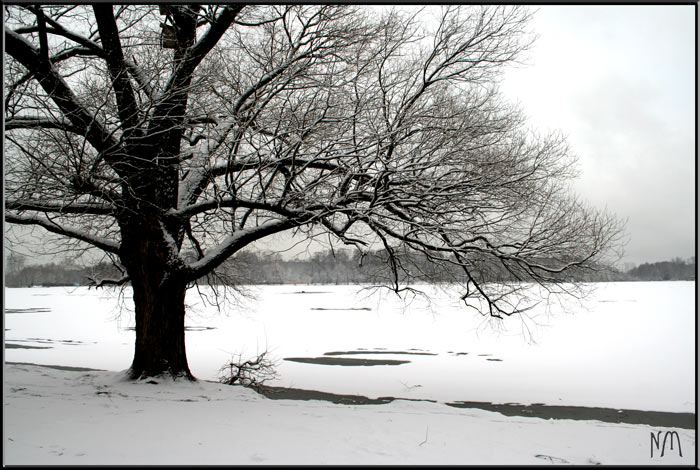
x=629 y=345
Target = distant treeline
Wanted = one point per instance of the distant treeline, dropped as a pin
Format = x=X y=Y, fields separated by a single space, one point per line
x=52 y=274
x=674 y=270
x=336 y=267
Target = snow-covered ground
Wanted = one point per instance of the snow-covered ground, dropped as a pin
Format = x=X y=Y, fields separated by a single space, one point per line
x=629 y=346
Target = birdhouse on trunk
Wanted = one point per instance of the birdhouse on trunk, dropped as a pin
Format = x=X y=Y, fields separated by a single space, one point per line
x=168 y=38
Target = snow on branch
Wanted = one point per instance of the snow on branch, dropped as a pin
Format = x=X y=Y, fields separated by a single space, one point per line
x=217 y=255
x=99 y=242
x=73 y=208
x=30 y=122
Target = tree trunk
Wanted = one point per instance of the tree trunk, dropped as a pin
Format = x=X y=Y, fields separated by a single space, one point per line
x=160 y=330
x=159 y=302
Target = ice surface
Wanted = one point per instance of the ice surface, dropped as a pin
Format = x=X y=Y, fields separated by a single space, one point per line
x=629 y=345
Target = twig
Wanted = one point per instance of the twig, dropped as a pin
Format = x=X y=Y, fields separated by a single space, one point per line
x=426 y=436
x=409 y=387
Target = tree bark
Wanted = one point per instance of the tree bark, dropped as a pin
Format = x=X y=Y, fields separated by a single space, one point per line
x=159 y=302
x=160 y=331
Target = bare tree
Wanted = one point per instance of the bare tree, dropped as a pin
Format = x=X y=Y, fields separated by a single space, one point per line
x=155 y=132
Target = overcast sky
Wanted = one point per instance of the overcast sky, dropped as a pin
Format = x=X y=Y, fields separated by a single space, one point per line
x=619 y=82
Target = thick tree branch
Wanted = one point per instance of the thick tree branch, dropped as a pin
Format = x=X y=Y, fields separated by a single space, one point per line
x=99 y=242
x=59 y=91
x=215 y=256
x=73 y=208
x=29 y=122
x=114 y=56
x=196 y=181
x=108 y=282
x=210 y=204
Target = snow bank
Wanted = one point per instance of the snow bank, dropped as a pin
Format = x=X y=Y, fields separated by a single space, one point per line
x=58 y=417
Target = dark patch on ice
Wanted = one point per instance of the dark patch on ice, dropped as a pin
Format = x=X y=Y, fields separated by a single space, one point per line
x=364 y=351
x=52 y=366
x=34 y=340
x=308 y=292
x=458 y=353
x=495 y=360
x=69 y=342
x=607 y=415
x=345 y=361
x=187 y=328
x=282 y=393
x=342 y=309
x=27 y=310
x=484 y=355
x=25 y=346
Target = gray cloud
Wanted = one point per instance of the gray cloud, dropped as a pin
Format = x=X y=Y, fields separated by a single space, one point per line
x=619 y=82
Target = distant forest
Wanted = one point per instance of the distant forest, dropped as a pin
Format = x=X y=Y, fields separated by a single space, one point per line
x=332 y=267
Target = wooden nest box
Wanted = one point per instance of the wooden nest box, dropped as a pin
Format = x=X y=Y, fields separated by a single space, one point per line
x=168 y=39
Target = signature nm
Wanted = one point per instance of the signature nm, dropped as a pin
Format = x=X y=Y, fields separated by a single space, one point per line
x=659 y=444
